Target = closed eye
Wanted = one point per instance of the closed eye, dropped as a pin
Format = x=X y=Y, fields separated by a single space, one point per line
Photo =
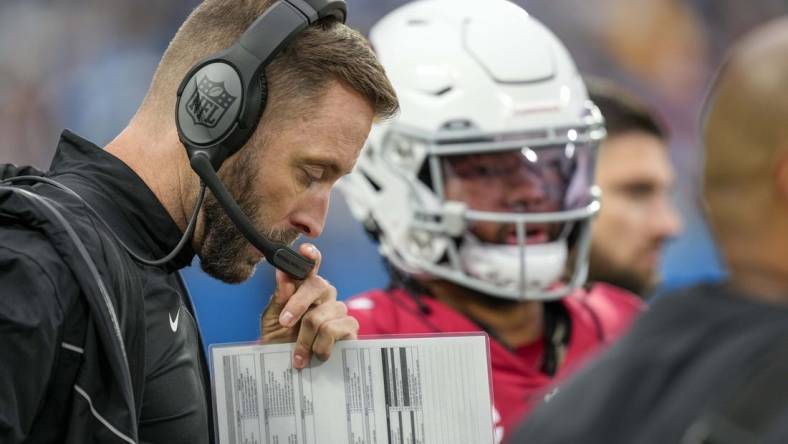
x=311 y=174
x=316 y=173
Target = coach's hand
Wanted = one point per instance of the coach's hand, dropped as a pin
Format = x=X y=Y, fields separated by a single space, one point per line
x=308 y=313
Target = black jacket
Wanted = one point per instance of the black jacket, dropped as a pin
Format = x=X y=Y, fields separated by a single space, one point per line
x=95 y=347
x=690 y=355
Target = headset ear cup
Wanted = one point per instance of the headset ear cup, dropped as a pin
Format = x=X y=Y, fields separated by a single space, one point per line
x=258 y=100
x=263 y=85
x=255 y=99
x=263 y=94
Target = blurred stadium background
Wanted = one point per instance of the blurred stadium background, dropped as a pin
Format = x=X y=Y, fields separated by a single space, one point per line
x=85 y=65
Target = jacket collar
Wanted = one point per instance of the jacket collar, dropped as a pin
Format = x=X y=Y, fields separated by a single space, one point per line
x=120 y=197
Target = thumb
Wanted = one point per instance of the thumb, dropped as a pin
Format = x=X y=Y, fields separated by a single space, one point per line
x=270 y=325
x=285 y=287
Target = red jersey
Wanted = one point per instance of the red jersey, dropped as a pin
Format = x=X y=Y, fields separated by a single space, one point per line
x=597 y=318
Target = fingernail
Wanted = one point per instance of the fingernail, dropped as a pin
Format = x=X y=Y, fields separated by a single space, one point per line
x=312 y=249
x=286 y=318
x=298 y=361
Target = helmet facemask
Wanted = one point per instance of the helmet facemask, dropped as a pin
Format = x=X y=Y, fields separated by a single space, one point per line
x=497 y=214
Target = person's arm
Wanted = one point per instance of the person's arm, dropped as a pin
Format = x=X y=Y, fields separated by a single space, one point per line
x=30 y=319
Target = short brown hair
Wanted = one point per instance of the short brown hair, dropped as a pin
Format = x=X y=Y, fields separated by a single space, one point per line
x=623 y=111
x=327 y=51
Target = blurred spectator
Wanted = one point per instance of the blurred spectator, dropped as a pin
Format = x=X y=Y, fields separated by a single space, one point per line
x=54 y=62
x=634 y=172
x=709 y=367
x=27 y=119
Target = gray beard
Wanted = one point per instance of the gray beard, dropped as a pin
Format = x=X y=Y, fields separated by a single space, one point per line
x=225 y=252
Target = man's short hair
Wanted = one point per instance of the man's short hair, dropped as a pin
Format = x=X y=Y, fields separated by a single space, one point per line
x=299 y=74
x=623 y=111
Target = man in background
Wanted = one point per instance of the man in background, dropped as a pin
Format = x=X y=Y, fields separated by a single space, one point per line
x=709 y=365
x=635 y=175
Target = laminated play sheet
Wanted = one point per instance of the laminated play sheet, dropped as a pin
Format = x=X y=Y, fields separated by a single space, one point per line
x=371 y=391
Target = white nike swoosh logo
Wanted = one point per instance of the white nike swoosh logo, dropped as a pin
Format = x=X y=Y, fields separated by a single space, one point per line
x=174 y=324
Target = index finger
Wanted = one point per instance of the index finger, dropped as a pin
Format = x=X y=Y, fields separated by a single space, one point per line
x=311 y=252
x=314 y=291
x=293 y=309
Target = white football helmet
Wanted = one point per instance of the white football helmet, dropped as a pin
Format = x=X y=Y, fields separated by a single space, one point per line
x=485 y=177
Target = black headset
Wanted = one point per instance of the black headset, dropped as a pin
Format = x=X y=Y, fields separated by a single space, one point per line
x=221 y=100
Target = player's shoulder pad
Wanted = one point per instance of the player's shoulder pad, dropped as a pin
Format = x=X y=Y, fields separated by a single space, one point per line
x=368 y=300
x=614 y=308
x=375 y=310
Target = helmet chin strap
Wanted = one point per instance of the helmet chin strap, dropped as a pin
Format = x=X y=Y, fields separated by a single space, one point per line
x=528 y=268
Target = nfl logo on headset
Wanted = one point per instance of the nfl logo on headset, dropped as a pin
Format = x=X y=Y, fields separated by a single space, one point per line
x=209 y=103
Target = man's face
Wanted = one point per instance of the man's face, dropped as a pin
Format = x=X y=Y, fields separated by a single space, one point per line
x=637 y=215
x=284 y=183
x=516 y=181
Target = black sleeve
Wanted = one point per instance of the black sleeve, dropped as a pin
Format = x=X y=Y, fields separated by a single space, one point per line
x=30 y=320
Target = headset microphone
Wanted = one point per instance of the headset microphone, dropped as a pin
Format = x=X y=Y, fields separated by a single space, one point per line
x=279 y=255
